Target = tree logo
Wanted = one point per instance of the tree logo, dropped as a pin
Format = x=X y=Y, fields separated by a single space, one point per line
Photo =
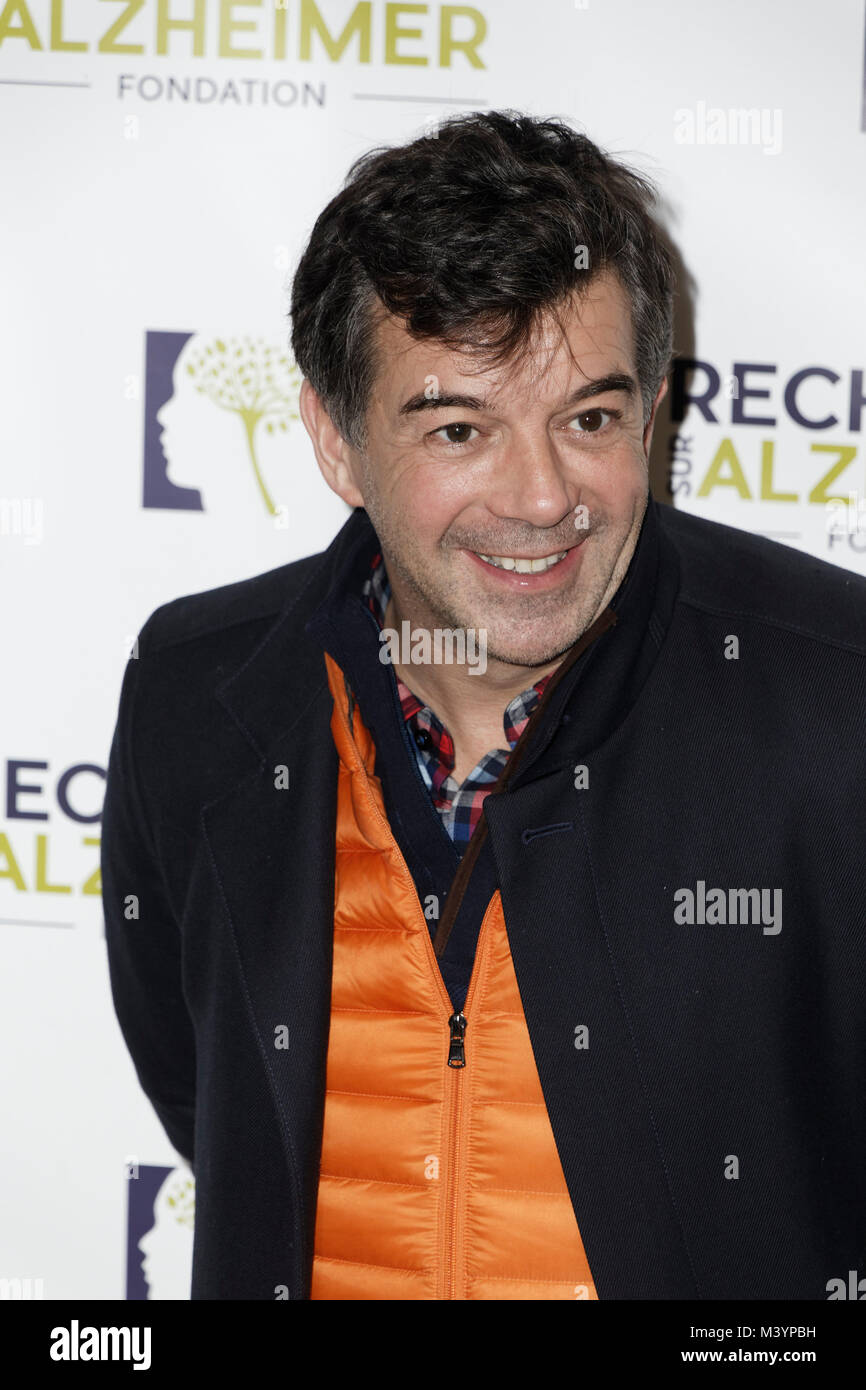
x=256 y=381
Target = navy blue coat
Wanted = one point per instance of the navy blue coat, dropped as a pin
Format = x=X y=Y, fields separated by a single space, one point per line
x=713 y=1132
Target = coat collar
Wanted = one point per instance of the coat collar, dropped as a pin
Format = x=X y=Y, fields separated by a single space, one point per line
x=269 y=692
x=265 y=696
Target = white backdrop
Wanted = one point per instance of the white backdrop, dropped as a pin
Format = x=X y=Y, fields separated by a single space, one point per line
x=155 y=199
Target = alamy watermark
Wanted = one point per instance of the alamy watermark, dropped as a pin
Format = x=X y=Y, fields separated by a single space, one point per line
x=77 y=1343
x=733 y=906
x=740 y=125
x=445 y=646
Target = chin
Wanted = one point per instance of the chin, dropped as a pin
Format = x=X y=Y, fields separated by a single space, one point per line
x=539 y=653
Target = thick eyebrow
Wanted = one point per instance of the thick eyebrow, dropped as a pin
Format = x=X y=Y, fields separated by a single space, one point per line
x=616 y=381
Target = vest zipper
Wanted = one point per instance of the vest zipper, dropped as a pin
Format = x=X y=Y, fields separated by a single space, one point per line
x=457 y=1047
x=457 y=1060
x=457 y=1081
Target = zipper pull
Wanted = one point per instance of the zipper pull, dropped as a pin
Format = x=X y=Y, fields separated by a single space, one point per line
x=457 y=1051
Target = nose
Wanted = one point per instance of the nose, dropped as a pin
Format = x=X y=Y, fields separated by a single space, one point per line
x=528 y=482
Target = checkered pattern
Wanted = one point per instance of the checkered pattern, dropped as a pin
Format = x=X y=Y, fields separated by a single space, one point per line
x=459 y=804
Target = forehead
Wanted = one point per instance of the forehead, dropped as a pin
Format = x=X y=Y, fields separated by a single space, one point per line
x=595 y=331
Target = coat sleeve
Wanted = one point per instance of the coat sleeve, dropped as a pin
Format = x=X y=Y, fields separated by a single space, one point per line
x=143 y=939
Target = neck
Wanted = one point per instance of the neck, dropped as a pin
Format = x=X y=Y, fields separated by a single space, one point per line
x=471 y=706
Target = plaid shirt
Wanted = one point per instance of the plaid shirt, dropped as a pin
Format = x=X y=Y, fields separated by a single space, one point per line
x=459 y=804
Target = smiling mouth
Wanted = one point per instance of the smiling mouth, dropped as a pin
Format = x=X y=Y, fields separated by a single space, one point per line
x=522 y=566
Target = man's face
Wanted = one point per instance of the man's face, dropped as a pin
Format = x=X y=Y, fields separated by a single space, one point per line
x=545 y=457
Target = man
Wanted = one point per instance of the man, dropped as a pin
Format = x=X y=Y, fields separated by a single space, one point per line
x=529 y=965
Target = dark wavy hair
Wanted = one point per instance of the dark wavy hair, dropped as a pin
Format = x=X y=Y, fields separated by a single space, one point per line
x=468 y=234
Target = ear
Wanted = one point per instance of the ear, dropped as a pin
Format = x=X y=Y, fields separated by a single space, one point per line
x=648 y=431
x=338 y=461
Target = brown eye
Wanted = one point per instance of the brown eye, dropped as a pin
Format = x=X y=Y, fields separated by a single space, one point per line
x=590 y=420
x=459 y=428
x=595 y=421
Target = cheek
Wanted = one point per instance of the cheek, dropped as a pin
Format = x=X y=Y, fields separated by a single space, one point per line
x=445 y=491
x=415 y=521
x=407 y=480
x=616 y=478
x=431 y=503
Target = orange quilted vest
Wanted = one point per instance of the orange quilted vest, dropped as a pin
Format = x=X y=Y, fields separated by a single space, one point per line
x=437 y=1181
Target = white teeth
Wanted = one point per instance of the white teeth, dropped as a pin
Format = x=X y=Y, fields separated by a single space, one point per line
x=508 y=562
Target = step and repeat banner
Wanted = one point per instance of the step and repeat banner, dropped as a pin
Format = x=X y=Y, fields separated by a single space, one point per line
x=163 y=162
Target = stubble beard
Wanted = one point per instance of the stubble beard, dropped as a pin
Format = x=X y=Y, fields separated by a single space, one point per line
x=552 y=623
